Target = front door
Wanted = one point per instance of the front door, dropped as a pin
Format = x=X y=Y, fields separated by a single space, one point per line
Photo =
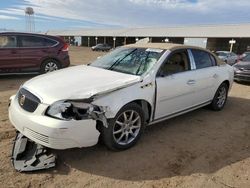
x=175 y=85
x=9 y=54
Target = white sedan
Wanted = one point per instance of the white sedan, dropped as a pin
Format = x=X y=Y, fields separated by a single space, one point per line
x=117 y=95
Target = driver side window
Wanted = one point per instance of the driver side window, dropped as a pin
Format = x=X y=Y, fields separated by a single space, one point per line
x=176 y=63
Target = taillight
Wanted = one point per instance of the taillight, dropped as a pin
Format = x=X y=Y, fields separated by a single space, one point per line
x=65 y=47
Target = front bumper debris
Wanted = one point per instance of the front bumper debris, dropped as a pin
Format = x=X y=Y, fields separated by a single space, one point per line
x=29 y=156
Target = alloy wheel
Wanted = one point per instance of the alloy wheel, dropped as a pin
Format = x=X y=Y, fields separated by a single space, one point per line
x=127 y=127
x=50 y=67
x=221 y=98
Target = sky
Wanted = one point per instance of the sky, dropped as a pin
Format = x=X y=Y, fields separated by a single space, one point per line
x=74 y=14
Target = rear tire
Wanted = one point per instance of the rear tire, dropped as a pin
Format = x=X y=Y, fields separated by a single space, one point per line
x=220 y=98
x=49 y=65
x=125 y=129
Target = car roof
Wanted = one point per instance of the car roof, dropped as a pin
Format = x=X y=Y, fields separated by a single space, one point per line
x=171 y=47
x=164 y=46
x=29 y=34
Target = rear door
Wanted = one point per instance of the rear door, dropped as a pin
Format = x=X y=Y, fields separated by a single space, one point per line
x=175 y=85
x=205 y=75
x=33 y=50
x=9 y=54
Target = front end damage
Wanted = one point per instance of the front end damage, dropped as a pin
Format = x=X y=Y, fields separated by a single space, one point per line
x=29 y=156
x=77 y=110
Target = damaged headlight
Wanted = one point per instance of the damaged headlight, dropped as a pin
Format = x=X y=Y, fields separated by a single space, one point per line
x=68 y=110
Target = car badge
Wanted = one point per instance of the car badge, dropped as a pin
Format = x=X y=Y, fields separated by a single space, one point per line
x=22 y=100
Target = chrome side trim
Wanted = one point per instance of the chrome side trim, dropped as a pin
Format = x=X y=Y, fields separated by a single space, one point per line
x=179 y=113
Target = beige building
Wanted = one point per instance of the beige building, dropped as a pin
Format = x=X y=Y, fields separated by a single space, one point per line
x=213 y=37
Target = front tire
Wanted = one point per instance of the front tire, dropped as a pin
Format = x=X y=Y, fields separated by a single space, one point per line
x=220 y=98
x=125 y=129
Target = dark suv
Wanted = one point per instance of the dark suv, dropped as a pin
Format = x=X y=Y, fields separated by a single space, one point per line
x=26 y=52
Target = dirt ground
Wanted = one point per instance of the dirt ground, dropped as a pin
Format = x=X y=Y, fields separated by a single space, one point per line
x=199 y=149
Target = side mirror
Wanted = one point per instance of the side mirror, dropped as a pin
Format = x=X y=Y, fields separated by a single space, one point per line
x=161 y=74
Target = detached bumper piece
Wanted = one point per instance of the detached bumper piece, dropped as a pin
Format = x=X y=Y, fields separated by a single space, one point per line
x=30 y=156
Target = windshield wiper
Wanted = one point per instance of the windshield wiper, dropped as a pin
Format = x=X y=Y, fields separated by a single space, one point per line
x=141 y=64
x=119 y=60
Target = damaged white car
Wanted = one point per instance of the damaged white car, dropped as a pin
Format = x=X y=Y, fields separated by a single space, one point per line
x=116 y=96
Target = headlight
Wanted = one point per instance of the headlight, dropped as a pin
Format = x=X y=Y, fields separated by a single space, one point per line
x=68 y=110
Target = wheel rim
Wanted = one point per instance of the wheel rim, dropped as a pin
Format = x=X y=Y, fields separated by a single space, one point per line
x=127 y=127
x=50 y=67
x=222 y=95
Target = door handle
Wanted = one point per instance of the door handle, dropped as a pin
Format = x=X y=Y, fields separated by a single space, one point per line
x=191 y=82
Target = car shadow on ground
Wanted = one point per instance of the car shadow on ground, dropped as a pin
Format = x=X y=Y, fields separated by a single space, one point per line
x=201 y=141
x=243 y=83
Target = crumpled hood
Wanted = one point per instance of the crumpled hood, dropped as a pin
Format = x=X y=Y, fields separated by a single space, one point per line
x=78 y=82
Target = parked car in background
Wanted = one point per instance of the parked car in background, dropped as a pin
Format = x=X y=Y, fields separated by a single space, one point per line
x=242 y=69
x=243 y=55
x=32 y=53
x=101 y=47
x=228 y=57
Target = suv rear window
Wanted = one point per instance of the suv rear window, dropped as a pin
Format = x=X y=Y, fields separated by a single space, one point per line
x=32 y=41
x=8 y=42
x=48 y=42
x=202 y=59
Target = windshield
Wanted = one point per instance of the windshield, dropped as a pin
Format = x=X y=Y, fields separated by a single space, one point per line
x=134 y=61
x=246 y=58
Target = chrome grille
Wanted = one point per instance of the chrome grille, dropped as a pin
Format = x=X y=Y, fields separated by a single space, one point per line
x=27 y=100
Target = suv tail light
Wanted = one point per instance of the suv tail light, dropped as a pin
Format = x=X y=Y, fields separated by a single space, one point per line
x=65 y=47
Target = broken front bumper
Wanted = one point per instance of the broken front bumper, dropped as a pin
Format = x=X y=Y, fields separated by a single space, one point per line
x=29 y=156
x=50 y=132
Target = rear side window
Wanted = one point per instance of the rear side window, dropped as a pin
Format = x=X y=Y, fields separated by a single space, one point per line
x=8 y=41
x=49 y=43
x=32 y=41
x=202 y=59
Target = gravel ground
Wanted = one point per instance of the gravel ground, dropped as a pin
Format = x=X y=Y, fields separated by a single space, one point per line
x=199 y=149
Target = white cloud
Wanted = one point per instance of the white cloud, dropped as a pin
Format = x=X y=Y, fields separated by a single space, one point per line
x=139 y=12
x=4 y=17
